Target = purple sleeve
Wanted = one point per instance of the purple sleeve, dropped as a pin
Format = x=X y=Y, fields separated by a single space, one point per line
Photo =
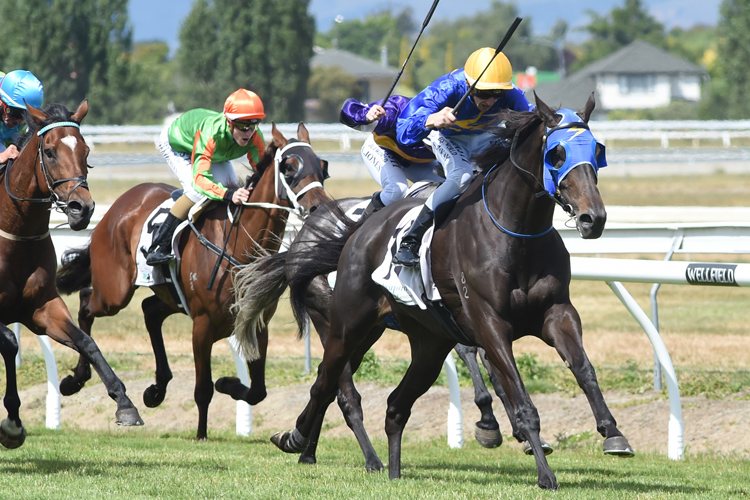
x=354 y=113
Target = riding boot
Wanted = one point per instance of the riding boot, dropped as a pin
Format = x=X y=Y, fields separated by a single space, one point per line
x=375 y=204
x=408 y=252
x=161 y=249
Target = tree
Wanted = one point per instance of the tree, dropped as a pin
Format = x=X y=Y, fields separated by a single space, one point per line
x=77 y=49
x=617 y=29
x=331 y=86
x=732 y=84
x=259 y=45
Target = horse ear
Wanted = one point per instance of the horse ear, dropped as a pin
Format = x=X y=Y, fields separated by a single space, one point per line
x=548 y=115
x=81 y=112
x=36 y=114
x=588 y=108
x=302 y=133
x=278 y=138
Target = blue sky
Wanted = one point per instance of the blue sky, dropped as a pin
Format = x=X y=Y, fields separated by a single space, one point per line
x=161 y=19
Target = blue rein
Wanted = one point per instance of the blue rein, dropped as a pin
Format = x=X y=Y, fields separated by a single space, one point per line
x=499 y=226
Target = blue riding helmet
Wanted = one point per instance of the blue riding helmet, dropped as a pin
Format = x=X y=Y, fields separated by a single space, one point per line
x=574 y=135
x=20 y=85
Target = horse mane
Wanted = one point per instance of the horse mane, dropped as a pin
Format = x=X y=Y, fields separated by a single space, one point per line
x=515 y=122
x=56 y=112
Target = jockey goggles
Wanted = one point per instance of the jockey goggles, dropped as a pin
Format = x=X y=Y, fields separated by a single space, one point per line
x=574 y=136
x=15 y=113
x=246 y=125
x=489 y=94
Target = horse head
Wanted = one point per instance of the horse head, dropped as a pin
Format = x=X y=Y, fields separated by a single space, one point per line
x=299 y=171
x=572 y=158
x=62 y=155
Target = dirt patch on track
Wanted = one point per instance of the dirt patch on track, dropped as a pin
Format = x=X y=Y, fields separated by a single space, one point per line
x=716 y=426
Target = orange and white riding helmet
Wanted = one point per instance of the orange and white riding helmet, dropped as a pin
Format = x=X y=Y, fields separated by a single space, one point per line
x=499 y=74
x=244 y=105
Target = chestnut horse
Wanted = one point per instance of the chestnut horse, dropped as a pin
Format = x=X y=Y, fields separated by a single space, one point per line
x=291 y=175
x=50 y=172
x=501 y=270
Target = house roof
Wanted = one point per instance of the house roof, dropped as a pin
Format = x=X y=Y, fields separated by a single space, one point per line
x=638 y=57
x=356 y=66
x=641 y=57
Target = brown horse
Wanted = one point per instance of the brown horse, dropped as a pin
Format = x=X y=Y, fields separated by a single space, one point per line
x=290 y=175
x=50 y=172
x=501 y=269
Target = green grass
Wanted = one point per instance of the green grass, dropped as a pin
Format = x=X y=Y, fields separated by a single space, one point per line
x=133 y=464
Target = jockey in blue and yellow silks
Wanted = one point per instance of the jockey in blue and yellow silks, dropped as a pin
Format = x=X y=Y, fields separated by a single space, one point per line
x=454 y=138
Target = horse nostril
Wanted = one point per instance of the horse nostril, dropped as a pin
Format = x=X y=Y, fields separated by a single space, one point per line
x=585 y=219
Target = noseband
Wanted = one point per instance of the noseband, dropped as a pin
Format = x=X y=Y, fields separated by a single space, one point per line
x=54 y=199
x=284 y=188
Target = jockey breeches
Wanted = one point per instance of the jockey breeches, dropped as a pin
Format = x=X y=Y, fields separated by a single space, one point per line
x=182 y=166
x=454 y=153
x=391 y=175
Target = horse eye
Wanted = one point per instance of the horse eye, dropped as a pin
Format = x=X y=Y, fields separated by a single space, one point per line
x=49 y=153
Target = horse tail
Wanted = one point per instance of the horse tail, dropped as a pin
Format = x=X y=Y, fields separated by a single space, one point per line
x=257 y=287
x=316 y=252
x=75 y=272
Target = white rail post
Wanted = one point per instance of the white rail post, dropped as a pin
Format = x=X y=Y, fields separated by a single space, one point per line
x=244 y=424
x=455 y=414
x=17 y=331
x=53 y=386
x=676 y=441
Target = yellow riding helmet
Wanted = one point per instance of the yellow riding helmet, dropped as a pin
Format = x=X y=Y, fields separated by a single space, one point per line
x=499 y=74
x=244 y=105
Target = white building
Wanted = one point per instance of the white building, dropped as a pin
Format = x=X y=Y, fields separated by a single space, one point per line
x=638 y=76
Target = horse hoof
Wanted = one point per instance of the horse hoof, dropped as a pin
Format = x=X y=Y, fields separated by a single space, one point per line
x=226 y=385
x=153 y=396
x=128 y=417
x=375 y=467
x=488 y=438
x=618 y=446
x=11 y=436
x=69 y=386
x=290 y=441
x=307 y=459
x=548 y=449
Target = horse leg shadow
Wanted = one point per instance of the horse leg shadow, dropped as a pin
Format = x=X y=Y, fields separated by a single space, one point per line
x=12 y=431
x=155 y=311
x=72 y=384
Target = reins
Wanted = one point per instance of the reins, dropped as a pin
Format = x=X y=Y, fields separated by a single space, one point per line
x=557 y=198
x=53 y=199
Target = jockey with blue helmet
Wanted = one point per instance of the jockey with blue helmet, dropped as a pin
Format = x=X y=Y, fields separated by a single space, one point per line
x=18 y=89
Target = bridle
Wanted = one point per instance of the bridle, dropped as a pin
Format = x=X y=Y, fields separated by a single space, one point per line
x=551 y=190
x=284 y=188
x=55 y=201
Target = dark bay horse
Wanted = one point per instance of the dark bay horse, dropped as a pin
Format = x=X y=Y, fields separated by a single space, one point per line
x=500 y=267
x=259 y=286
x=50 y=172
x=291 y=175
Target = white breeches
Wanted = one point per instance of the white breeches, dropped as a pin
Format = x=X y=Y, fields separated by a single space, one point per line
x=384 y=167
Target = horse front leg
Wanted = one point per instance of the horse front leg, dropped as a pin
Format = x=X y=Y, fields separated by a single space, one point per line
x=487 y=432
x=12 y=431
x=562 y=329
x=72 y=384
x=233 y=386
x=155 y=311
x=54 y=320
x=494 y=335
x=204 y=387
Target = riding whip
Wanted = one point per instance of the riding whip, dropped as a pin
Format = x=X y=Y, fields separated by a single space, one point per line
x=499 y=48
x=237 y=212
x=401 y=72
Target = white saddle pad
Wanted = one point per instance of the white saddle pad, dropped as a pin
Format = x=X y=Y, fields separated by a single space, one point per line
x=149 y=275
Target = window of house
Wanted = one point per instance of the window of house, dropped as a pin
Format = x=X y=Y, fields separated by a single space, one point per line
x=636 y=84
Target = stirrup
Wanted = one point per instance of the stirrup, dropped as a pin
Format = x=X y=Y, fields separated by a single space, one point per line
x=159 y=257
x=407 y=255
